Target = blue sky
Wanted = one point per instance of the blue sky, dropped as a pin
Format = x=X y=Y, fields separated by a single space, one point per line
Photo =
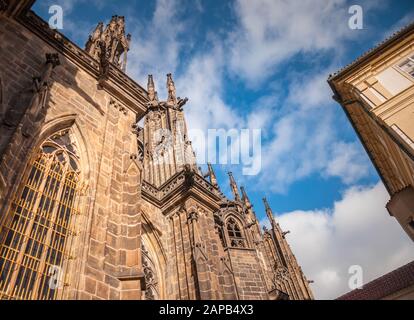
x=264 y=64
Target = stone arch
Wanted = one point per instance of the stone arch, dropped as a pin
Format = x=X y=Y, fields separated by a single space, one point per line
x=229 y=285
x=236 y=234
x=152 y=243
x=51 y=194
x=70 y=121
x=153 y=266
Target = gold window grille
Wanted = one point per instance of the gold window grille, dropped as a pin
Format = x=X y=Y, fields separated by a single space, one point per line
x=37 y=238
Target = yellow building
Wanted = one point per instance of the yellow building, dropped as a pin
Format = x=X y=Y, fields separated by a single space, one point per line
x=377 y=94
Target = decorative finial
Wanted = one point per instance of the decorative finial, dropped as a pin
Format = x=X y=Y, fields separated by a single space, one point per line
x=93 y=46
x=266 y=204
x=113 y=39
x=152 y=95
x=234 y=187
x=269 y=211
x=213 y=178
x=245 y=198
x=172 y=96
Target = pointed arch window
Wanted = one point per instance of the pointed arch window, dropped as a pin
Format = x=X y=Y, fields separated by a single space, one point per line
x=36 y=239
x=235 y=234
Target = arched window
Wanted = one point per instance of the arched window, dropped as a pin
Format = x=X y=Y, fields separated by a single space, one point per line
x=36 y=239
x=235 y=234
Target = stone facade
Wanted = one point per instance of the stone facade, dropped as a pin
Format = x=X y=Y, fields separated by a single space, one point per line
x=93 y=206
x=377 y=94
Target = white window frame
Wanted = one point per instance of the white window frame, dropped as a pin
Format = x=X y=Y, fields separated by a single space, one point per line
x=410 y=58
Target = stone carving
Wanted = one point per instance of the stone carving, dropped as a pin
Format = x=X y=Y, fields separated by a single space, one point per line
x=110 y=44
x=173 y=101
x=193 y=215
x=93 y=44
x=245 y=198
x=211 y=174
x=189 y=175
x=33 y=99
x=152 y=94
x=172 y=97
x=118 y=106
x=150 y=275
x=281 y=274
x=234 y=187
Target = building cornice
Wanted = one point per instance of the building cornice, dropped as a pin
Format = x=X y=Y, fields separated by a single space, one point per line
x=182 y=185
x=116 y=82
x=363 y=59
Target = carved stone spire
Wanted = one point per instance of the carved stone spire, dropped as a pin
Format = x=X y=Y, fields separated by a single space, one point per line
x=111 y=41
x=212 y=175
x=152 y=94
x=245 y=198
x=172 y=95
x=269 y=212
x=92 y=46
x=234 y=187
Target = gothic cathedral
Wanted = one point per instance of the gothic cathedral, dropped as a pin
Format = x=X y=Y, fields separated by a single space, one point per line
x=97 y=203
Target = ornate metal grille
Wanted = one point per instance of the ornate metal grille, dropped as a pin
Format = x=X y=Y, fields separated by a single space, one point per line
x=36 y=242
x=235 y=234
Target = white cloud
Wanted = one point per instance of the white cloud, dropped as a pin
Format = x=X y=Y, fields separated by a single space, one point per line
x=272 y=31
x=347 y=162
x=156 y=45
x=356 y=231
x=202 y=82
x=403 y=22
x=304 y=139
x=300 y=137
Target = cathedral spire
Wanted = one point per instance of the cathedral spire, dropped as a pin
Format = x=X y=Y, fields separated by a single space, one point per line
x=245 y=198
x=92 y=46
x=172 y=95
x=111 y=41
x=212 y=175
x=234 y=187
x=269 y=212
x=152 y=94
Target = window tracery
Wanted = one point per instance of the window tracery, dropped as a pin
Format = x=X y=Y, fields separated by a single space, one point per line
x=36 y=240
x=235 y=234
x=151 y=279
